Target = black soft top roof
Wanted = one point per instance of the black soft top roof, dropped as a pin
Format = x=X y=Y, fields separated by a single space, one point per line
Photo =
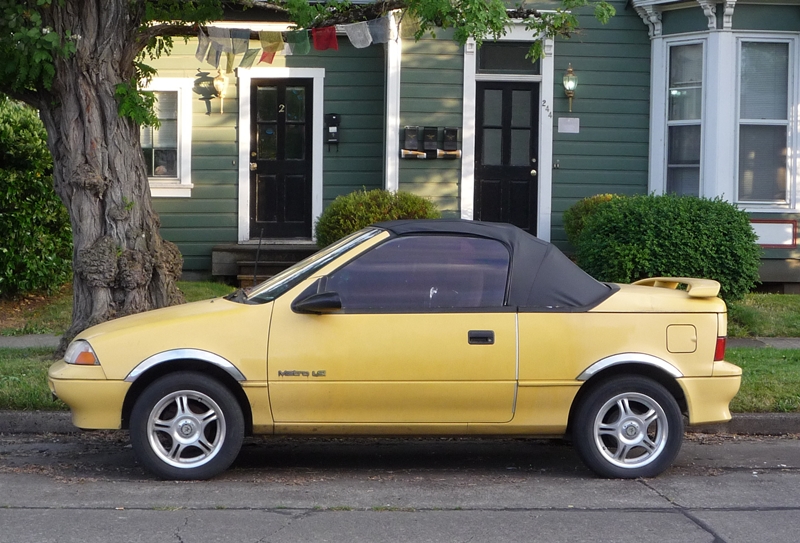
x=541 y=276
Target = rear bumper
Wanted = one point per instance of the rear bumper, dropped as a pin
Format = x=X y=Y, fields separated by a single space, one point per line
x=708 y=398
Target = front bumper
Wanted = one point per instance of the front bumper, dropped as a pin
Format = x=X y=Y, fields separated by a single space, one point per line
x=95 y=402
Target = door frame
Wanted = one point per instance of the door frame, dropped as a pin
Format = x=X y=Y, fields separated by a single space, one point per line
x=545 y=159
x=508 y=175
x=244 y=78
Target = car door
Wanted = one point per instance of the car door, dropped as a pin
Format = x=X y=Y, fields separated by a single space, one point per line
x=422 y=337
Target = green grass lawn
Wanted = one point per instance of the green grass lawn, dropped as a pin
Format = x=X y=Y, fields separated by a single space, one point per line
x=765 y=315
x=771 y=380
x=758 y=315
x=771 y=376
x=55 y=316
x=23 y=380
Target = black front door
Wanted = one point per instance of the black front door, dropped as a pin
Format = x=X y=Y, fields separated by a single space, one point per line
x=280 y=154
x=507 y=133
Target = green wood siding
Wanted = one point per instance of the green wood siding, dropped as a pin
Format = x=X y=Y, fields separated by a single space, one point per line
x=354 y=87
x=612 y=101
x=684 y=20
x=759 y=17
x=431 y=94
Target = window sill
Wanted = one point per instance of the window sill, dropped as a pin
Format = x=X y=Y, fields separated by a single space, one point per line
x=170 y=190
x=777 y=208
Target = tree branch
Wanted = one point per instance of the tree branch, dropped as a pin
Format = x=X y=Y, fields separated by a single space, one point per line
x=353 y=14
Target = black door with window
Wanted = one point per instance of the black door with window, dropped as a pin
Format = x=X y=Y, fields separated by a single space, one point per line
x=280 y=158
x=507 y=130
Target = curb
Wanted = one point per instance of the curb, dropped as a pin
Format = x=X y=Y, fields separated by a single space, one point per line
x=36 y=422
x=60 y=422
x=757 y=424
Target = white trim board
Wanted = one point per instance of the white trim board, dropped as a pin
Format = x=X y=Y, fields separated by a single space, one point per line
x=244 y=77
x=394 y=52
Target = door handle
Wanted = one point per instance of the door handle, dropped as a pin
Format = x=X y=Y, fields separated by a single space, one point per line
x=253 y=166
x=480 y=337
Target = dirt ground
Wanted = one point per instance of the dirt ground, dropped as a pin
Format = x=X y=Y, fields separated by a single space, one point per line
x=16 y=310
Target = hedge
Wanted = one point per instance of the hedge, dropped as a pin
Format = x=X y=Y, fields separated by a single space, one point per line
x=36 y=249
x=630 y=238
x=359 y=209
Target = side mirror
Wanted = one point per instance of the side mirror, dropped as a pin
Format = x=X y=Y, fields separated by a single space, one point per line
x=315 y=302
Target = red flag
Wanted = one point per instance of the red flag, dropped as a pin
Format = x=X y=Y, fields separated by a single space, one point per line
x=325 y=38
x=267 y=56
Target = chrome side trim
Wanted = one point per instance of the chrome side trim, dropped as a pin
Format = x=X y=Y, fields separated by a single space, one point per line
x=184 y=354
x=629 y=358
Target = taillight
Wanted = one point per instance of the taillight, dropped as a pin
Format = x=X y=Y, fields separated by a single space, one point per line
x=719 y=352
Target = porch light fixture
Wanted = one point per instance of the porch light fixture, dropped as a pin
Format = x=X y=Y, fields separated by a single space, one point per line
x=221 y=86
x=570 y=83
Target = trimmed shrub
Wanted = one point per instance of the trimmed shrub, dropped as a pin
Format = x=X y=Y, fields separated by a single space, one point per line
x=576 y=217
x=352 y=212
x=36 y=249
x=627 y=239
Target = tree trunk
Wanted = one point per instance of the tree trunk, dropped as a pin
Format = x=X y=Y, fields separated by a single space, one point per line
x=121 y=264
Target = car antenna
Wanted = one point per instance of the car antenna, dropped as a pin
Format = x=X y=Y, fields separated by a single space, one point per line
x=258 y=252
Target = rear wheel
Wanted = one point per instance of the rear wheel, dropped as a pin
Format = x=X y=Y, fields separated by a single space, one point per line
x=186 y=425
x=628 y=427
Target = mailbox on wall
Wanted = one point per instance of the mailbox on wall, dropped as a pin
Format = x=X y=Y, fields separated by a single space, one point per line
x=411 y=138
x=332 y=121
x=429 y=147
x=430 y=138
x=450 y=139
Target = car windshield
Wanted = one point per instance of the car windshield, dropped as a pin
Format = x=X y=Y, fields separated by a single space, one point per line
x=280 y=283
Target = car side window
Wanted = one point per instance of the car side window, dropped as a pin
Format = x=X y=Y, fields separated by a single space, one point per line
x=424 y=273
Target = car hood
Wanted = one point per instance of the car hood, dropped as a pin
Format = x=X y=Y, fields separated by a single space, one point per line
x=234 y=331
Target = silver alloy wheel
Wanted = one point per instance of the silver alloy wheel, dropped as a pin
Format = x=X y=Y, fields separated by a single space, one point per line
x=631 y=430
x=186 y=429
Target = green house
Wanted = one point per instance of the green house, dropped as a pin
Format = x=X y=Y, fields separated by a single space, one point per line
x=690 y=97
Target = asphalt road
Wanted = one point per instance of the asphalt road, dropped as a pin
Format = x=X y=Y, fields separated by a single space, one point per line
x=88 y=488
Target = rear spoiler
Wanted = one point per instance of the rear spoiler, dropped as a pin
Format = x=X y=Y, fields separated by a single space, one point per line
x=696 y=288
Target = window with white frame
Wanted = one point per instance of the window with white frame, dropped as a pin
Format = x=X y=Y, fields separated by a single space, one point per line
x=168 y=149
x=763 y=122
x=684 y=118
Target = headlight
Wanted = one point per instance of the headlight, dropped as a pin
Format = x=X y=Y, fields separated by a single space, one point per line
x=81 y=353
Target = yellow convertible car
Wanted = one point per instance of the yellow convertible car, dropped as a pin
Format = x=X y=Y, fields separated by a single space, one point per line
x=440 y=327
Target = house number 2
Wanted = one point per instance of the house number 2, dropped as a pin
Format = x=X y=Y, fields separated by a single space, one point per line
x=281 y=108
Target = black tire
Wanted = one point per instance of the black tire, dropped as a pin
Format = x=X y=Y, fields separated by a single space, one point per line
x=628 y=427
x=186 y=425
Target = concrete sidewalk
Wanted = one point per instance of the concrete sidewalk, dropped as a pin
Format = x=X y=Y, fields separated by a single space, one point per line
x=30 y=340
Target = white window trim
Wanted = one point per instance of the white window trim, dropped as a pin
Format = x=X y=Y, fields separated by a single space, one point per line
x=545 y=160
x=792 y=182
x=244 y=76
x=719 y=162
x=701 y=121
x=659 y=111
x=180 y=186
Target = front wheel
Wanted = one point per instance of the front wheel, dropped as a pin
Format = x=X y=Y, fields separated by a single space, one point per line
x=186 y=425
x=628 y=427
